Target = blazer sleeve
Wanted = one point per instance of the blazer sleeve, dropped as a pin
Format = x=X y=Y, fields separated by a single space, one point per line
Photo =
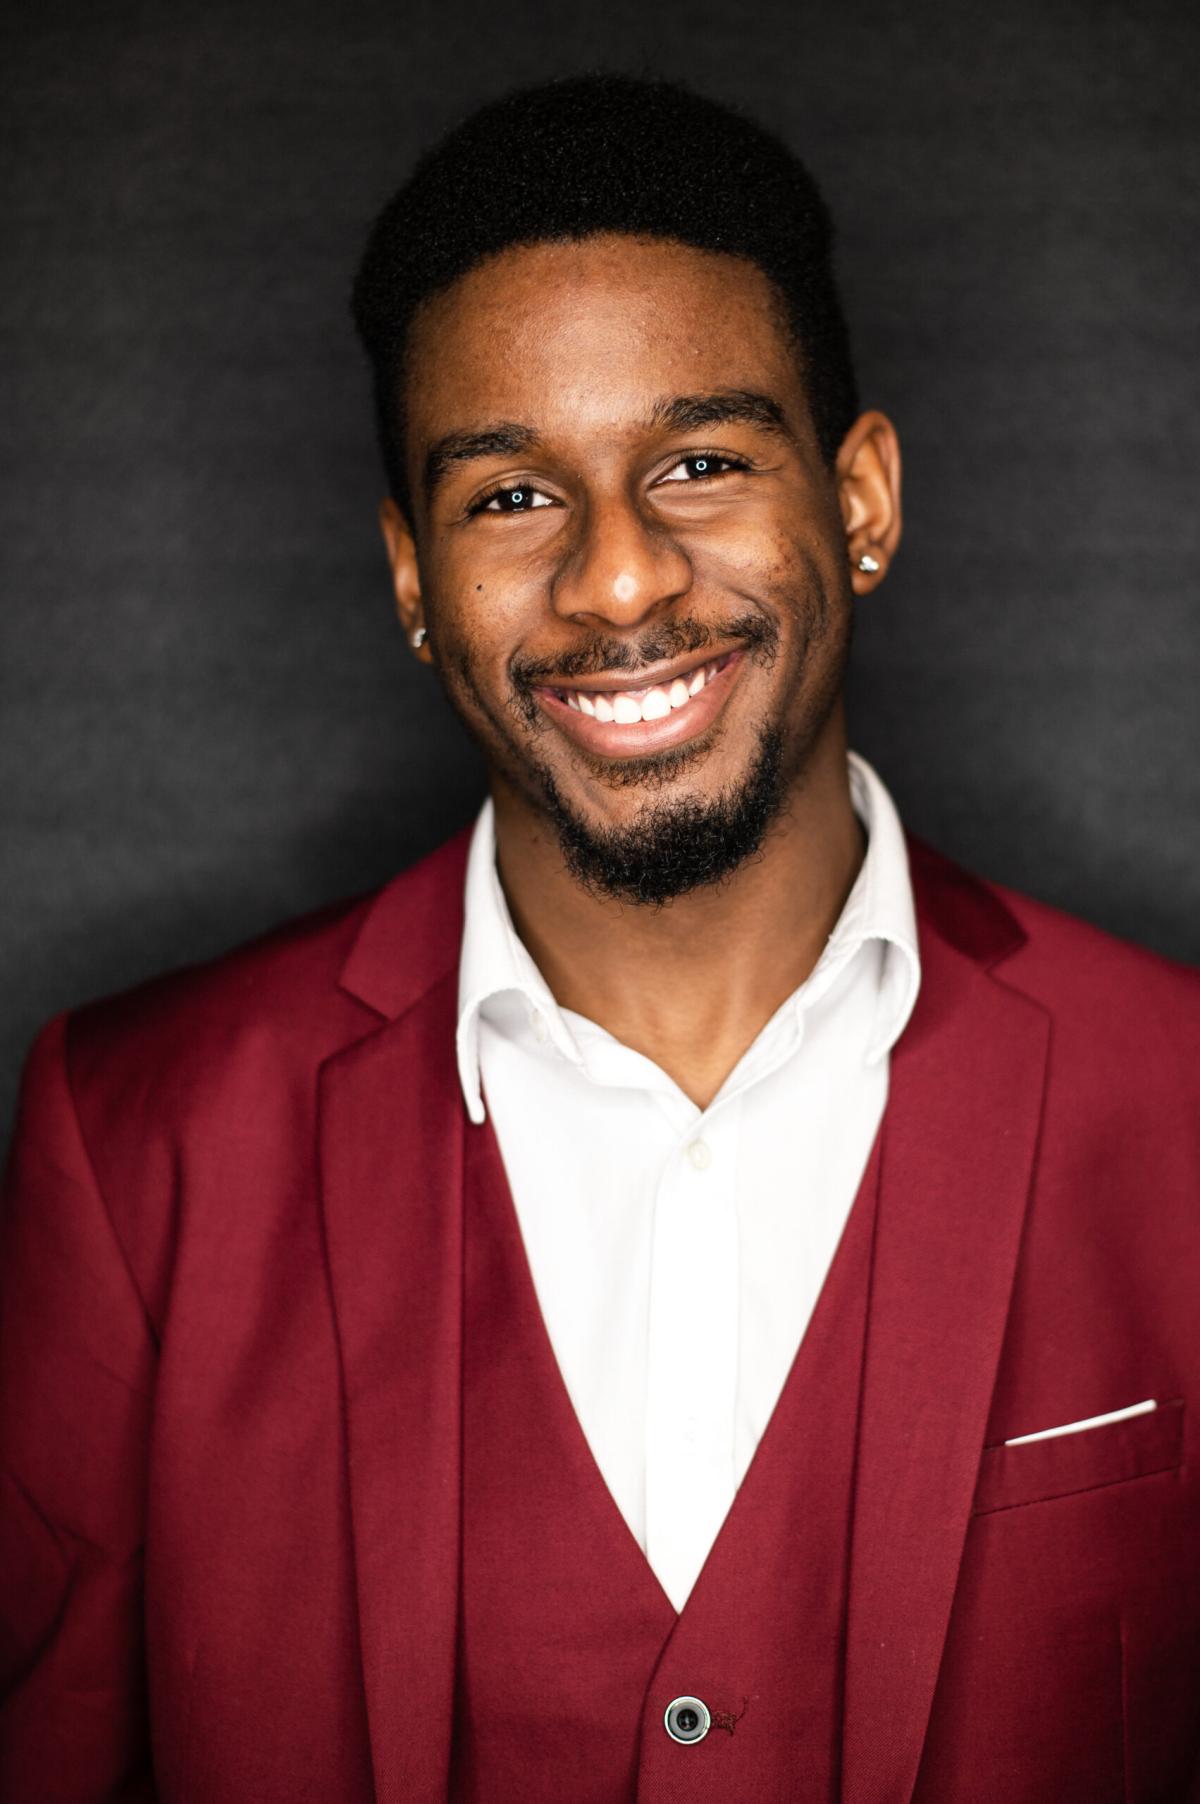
x=77 y=1365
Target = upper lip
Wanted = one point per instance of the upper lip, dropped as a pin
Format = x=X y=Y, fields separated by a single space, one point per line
x=651 y=676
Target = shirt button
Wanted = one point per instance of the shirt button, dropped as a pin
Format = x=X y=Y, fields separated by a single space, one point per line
x=699 y=1157
x=539 y=1028
x=687 y=1719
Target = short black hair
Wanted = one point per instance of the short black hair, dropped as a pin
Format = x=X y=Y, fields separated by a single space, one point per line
x=604 y=153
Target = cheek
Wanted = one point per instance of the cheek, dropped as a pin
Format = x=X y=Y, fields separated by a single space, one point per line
x=771 y=550
x=811 y=603
x=480 y=590
x=475 y=616
x=479 y=622
x=784 y=575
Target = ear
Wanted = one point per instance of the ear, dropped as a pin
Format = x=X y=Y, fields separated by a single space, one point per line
x=406 y=579
x=868 y=483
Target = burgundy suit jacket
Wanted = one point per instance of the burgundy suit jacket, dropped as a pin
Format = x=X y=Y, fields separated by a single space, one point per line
x=230 y=1380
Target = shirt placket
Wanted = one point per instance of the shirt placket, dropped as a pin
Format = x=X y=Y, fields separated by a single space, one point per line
x=692 y=1366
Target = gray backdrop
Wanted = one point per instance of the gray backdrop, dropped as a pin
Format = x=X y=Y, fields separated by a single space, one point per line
x=209 y=719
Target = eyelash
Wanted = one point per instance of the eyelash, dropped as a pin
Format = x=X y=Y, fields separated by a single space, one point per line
x=735 y=464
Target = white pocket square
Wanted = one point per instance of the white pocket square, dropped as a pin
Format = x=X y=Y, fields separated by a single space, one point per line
x=1114 y=1415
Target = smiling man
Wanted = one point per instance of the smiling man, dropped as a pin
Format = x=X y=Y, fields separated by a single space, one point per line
x=634 y=570
x=685 y=1293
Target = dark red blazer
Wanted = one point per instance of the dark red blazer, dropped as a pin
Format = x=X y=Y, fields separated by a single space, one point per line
x=230 y=1373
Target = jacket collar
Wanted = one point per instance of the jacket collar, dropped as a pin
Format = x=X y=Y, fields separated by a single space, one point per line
x=411 y=932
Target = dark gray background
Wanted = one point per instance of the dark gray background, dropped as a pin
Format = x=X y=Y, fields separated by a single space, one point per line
x=209 y=718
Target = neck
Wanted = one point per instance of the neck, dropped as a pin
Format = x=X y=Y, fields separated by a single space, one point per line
x=691 y=984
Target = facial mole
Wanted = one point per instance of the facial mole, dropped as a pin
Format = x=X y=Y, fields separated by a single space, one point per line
x=625 y=587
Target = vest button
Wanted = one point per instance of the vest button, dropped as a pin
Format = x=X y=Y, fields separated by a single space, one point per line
x=687 y=1719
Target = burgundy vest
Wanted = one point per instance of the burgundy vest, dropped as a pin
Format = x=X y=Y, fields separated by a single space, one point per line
x=569 y=1651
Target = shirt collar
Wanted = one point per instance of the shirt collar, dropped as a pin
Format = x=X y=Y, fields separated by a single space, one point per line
x=879 y=907
x=494 y=962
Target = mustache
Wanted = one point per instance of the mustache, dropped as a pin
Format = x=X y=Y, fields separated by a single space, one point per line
x=667 y=639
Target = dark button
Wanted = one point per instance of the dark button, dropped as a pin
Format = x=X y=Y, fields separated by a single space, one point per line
x=687 y=1719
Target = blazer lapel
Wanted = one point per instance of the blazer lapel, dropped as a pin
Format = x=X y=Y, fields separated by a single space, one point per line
x=959 y=1139
x=390 y=1151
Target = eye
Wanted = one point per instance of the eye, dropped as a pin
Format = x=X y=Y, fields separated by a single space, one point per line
x=510 y=498
x=699 y=465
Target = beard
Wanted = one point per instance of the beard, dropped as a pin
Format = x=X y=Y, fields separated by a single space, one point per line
x=673 y=847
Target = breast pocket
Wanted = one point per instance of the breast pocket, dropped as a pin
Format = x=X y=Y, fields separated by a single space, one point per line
x=1083 y=1460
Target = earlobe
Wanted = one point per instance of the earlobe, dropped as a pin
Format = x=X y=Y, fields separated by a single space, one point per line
x=868 y=480
x=406 y=579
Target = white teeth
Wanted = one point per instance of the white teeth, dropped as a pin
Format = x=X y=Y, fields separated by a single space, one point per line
x=627 y=707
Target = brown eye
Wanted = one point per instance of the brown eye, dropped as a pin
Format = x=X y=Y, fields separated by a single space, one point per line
x=702 y=464
x=513 y=498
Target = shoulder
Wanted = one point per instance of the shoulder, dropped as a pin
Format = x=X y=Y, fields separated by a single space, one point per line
x=1116 y=1007
x=287 y=996
x=997 y=923
x=196 y=1092
x=1076 y=964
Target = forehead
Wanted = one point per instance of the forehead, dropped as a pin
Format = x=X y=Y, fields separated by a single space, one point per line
x=574 y=337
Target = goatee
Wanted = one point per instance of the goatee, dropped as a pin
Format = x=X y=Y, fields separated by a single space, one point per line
x=673 y=847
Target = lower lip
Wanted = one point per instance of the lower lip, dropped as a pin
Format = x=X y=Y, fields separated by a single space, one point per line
x=610 y=739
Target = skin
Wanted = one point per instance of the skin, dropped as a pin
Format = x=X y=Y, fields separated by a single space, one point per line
x=577 y=342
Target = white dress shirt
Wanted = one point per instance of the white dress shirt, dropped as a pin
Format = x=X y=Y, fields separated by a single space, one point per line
x=677 y=1253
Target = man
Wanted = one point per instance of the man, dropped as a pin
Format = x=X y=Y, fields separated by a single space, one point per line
x=684 y=1293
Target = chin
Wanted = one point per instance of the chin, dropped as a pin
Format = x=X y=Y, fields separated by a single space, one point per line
x=672 y=843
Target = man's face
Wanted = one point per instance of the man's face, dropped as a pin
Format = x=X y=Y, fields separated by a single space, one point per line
x=632 y=560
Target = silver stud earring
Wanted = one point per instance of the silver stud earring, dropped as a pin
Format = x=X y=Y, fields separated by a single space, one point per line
x=867 y=562
x=417 y=638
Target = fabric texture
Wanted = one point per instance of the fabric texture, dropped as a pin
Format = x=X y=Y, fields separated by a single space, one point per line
x=231 y=1246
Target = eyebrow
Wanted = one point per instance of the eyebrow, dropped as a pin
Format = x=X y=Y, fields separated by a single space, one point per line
x=673 y=413
x=727 y=406
x=504 y=439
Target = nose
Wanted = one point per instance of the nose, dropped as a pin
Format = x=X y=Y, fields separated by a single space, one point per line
x=622 y=569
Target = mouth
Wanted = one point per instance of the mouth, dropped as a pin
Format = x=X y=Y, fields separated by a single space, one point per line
x=632 y=719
